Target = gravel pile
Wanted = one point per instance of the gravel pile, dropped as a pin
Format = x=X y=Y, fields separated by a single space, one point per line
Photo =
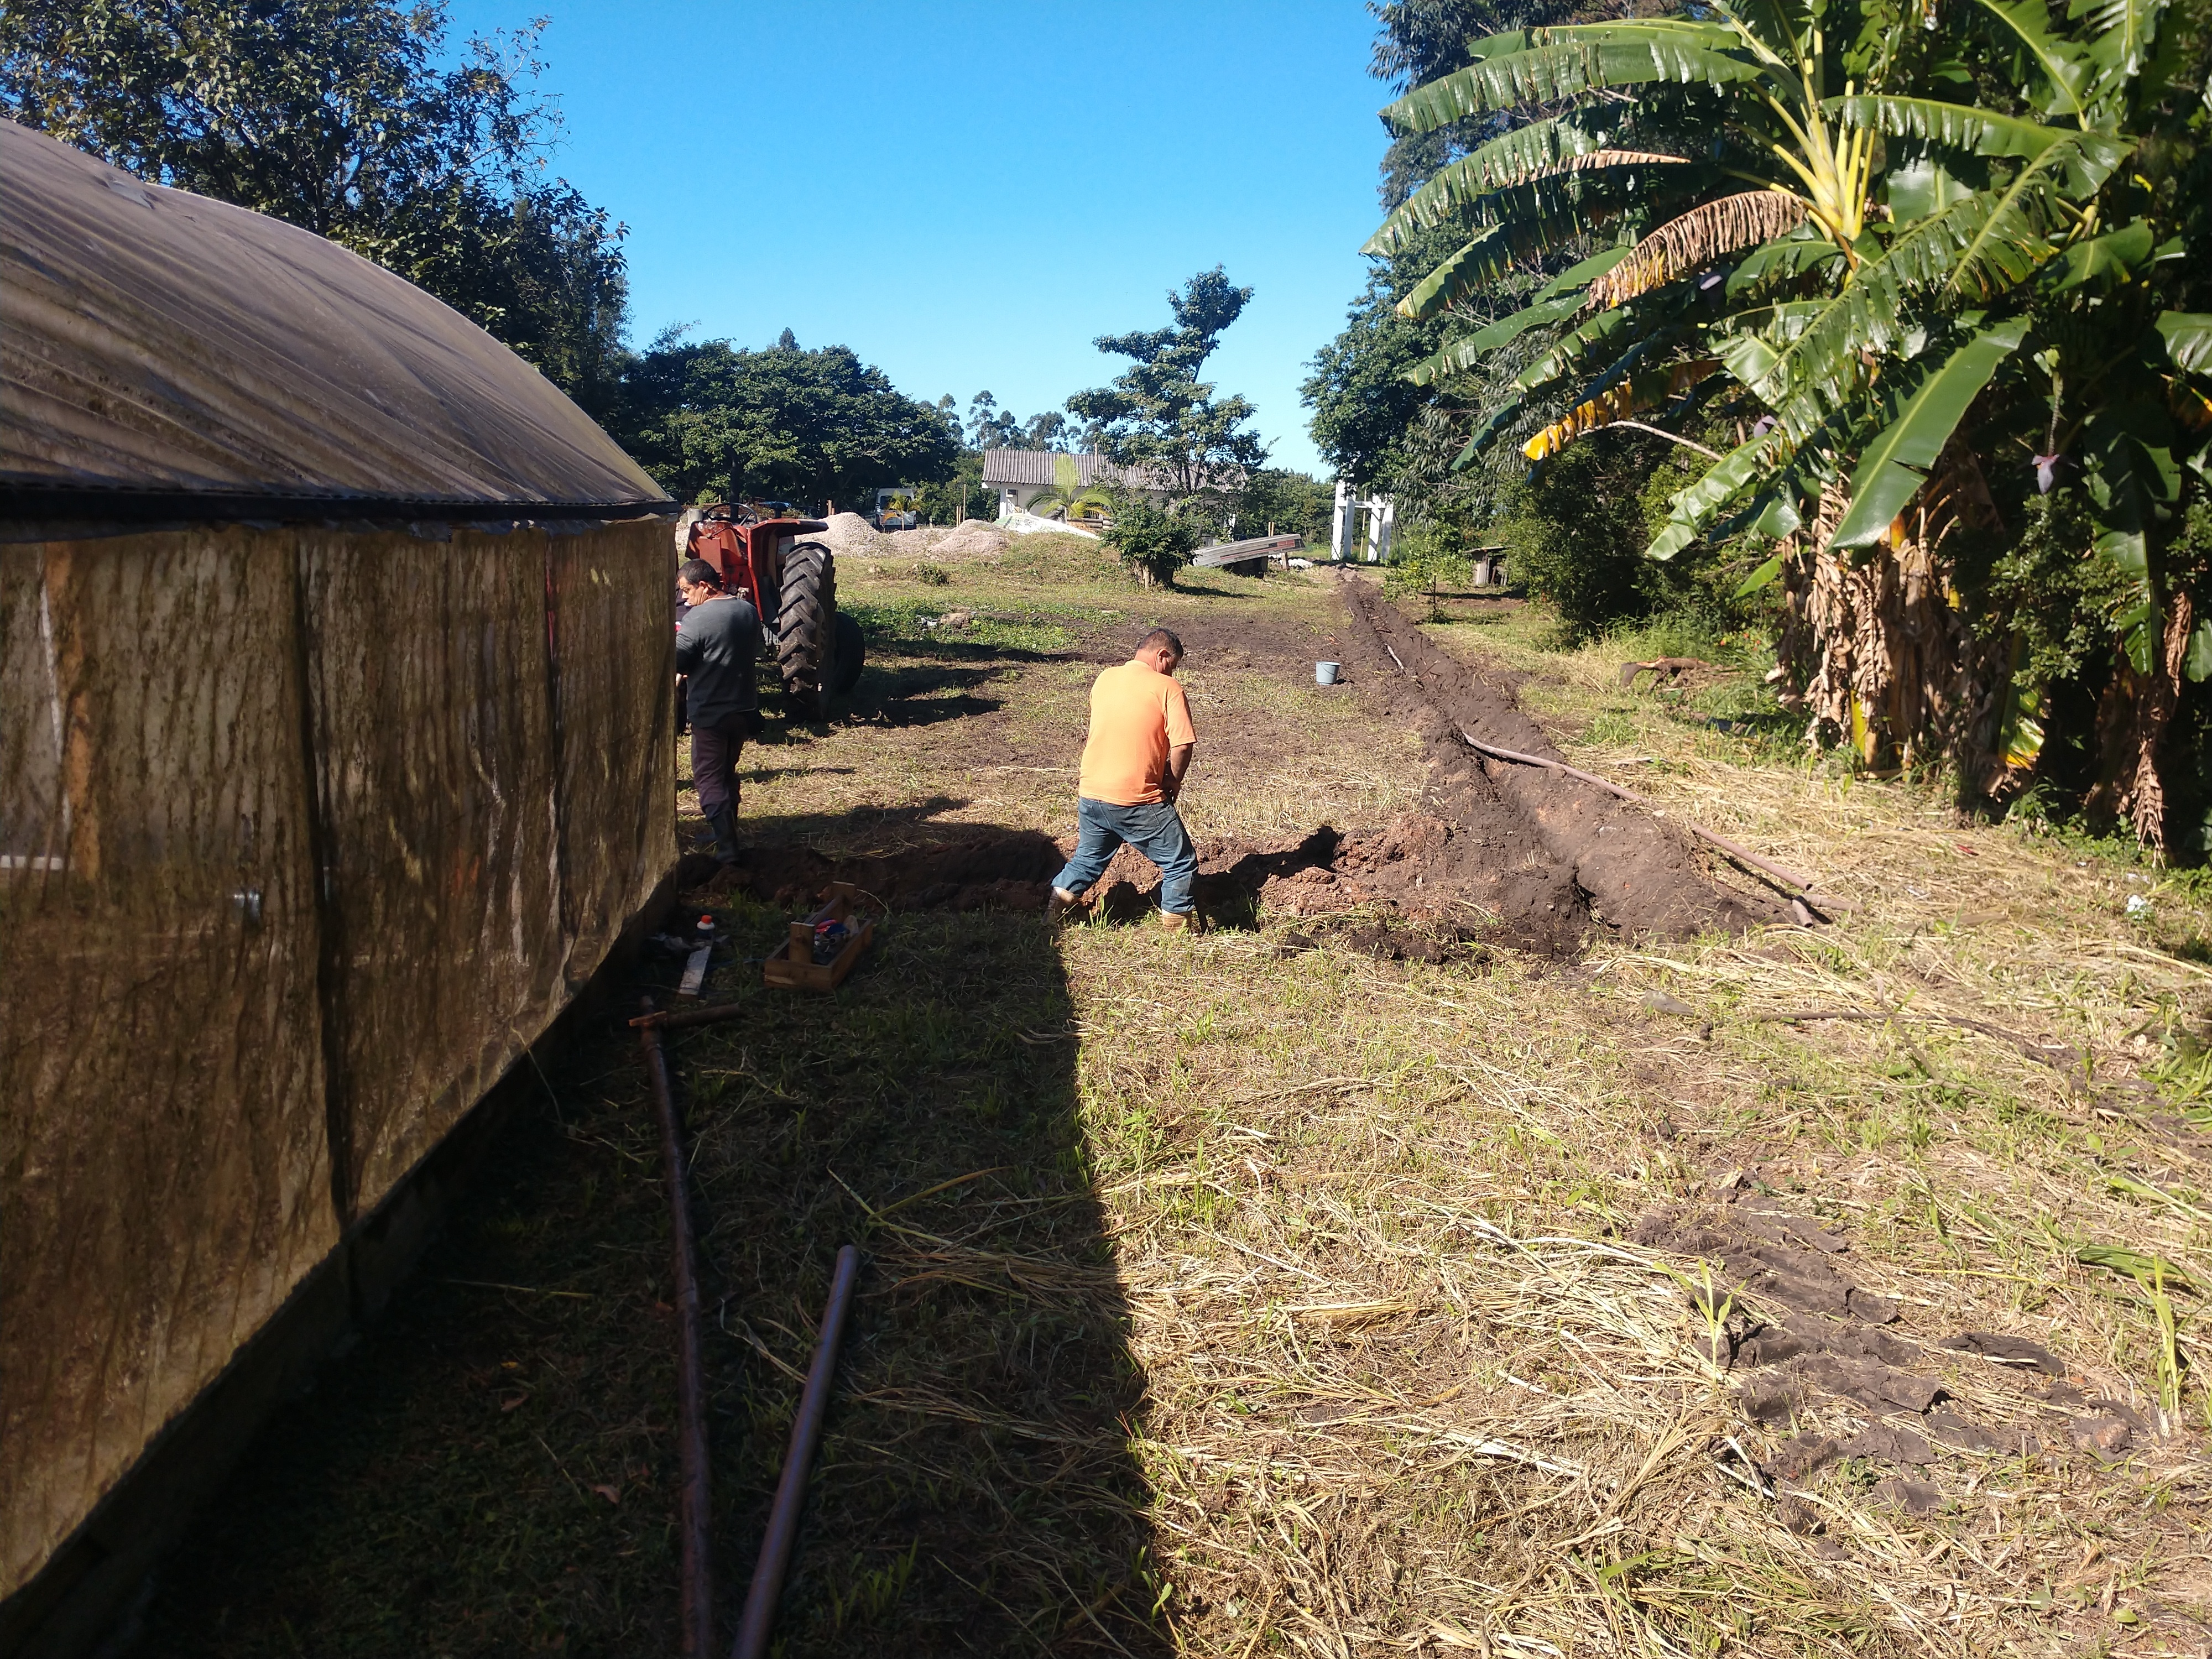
x=850 y=536
x=973 y=539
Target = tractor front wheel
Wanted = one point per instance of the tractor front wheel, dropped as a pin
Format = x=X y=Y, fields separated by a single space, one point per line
x=806 y=630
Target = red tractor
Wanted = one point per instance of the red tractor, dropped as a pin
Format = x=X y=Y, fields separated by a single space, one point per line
x=793 y=586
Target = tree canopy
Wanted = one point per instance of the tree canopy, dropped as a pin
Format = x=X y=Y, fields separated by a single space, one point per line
x=339 y=116
x=714 y=422
x=1159 y=415
x=1916 y=265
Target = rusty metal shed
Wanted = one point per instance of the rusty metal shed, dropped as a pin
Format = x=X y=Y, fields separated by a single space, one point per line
x=335 y=758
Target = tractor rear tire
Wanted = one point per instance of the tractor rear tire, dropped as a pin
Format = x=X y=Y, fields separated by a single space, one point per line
x=852 y=652
x=806 y=630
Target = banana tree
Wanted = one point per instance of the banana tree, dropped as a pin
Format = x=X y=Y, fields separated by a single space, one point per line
x=1068 y=496
x=1814 y=232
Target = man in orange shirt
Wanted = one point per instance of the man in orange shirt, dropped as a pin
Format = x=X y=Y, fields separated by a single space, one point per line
x=1134 y=767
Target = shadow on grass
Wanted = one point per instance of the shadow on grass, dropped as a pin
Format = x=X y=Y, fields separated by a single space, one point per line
x=832 y=829
x=493 y=1470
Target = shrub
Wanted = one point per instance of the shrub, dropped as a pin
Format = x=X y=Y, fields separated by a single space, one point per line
x=932 y=575
x=1152 y=542
x=1425 y=557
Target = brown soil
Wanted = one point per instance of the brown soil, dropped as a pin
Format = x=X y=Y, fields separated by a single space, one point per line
x=1637 y=874
x=1839 y=1346
x=1497 y=853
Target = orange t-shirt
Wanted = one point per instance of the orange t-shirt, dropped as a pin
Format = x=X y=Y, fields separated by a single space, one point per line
x=1136 y=716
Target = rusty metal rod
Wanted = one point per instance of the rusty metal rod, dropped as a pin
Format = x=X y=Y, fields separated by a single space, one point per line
x=684 y=1018
x=791 y=1491
x=694 y=1515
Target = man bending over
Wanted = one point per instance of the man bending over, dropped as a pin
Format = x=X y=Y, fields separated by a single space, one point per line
x=716 y=645
x=1134 y=767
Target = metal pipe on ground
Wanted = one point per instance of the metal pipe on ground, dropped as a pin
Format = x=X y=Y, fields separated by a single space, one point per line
x=684 y=1018
x=695 y=1516
x=791 y=1491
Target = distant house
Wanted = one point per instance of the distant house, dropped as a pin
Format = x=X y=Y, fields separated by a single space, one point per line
x=1019 y=477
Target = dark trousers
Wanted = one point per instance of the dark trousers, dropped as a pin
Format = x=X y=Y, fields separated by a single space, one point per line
x=1156 y=830
x=714 y=751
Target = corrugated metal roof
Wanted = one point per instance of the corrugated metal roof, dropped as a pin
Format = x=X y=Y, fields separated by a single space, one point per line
x=1023 y=468
x=159 y=345
x=1035 y=466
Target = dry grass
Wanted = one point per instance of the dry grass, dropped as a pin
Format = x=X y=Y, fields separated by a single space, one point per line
x=1410 y=1389
x=1292 y=1309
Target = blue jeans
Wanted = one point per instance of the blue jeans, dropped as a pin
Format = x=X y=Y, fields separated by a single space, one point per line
x=1155 y=830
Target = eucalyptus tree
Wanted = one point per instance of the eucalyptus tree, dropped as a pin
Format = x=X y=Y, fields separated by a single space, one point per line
x=1928 y=260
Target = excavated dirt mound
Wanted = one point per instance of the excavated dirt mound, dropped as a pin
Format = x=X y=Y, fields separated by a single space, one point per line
x=1498 y=854
x=1846 y=1360
x=1408 y=891
x=1634 y=873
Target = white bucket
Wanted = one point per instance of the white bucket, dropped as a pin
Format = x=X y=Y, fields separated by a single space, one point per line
x=1325 y=673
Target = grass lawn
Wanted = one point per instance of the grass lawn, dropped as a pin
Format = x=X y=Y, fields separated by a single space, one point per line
x=1230 y=1297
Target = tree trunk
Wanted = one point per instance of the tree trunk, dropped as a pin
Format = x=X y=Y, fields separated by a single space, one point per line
x=2131 y=725
x=1889 y=662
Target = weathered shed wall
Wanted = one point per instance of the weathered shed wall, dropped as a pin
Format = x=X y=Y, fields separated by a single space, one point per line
x=304 y=833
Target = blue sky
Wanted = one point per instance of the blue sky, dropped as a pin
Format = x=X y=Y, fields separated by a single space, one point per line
x=967 y=194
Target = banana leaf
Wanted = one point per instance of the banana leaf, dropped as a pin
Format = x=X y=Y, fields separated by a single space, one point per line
x=2125 y=30
x=1491 y=251
x=1762 y=577
x=1558 y=298
x=1694 y=505
x=1465 y=354
x=1500 y=417
x=1895 y=464
x=1502 y=161
x=1780 y=262
x=1576 y=60
x=2093 y=157
x=2187 y=336
x=2065 y=66
x=2106 y=258
x=1564 y=357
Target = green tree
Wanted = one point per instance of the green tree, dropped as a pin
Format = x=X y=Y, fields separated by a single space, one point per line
x=1159 y=417
x=714 y=422
x=1898 y=247
x=960 y=494
x=337 y=115
x=1153 y=543
x=1295 y=503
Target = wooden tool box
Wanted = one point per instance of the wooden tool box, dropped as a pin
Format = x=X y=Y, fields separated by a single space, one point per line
x=796 y=966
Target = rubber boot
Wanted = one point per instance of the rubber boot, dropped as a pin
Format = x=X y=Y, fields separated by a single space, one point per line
x=723 y=824
x=1177 y=922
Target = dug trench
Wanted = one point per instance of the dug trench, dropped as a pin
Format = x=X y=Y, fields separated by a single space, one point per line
x=1496 y=853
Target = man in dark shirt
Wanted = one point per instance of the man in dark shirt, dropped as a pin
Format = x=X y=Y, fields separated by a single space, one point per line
x=716 y=645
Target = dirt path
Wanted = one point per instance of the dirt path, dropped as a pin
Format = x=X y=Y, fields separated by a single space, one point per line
x=1627 y=869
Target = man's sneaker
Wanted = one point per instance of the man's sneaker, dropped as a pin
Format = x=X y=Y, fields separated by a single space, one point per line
x=1177 y=922
x=1057 y=907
